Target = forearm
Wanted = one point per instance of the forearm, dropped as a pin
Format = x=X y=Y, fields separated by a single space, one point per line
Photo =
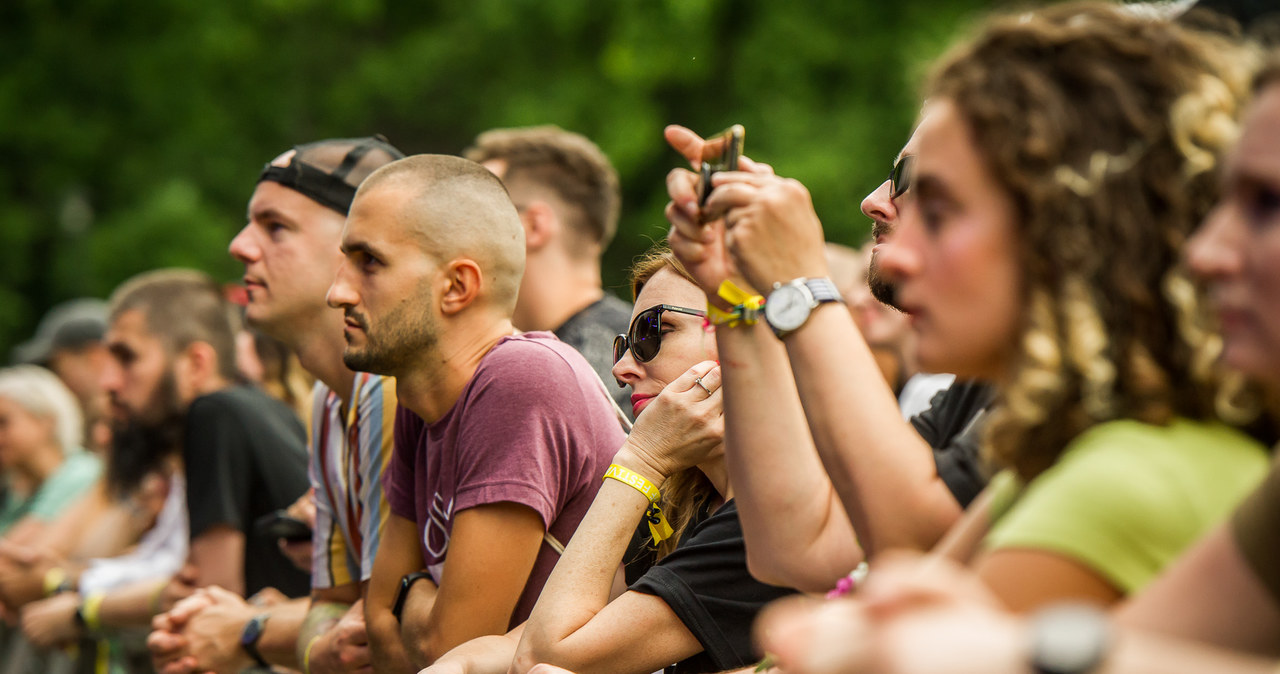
x=881 y=468
x=385 y=648
x=796 y=530
x=279 y=641
x=131 y=605
x=1136 y=653
x=320 y=618
x=418 y=631
x=398 y=555
x=483 y=655
x=579 y=586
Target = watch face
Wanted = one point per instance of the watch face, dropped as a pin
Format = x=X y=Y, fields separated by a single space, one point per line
x=787 y=308
x=1070 y=639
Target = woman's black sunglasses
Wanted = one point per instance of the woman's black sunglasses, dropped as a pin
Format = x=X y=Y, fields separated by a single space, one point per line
x=900 y=176
x=644 y=338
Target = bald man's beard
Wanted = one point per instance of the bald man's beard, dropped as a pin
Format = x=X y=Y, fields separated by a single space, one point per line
x=401 y=339
x=881 y=288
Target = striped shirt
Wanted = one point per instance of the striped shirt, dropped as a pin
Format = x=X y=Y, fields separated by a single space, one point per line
x=348 y=455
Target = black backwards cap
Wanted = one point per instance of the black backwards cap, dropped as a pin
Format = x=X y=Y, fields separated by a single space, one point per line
x=329 y=171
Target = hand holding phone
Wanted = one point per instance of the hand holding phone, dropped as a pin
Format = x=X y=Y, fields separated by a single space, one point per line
x=280 y=524
x=720 y=153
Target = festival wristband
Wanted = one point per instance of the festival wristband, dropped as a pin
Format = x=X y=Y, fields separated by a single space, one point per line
x=91 y=611
x=649 y=489
x=658 y=525
x=55 y=582
x=306 y=654
x=157 y=595
x=746 y=307
x=732 y=293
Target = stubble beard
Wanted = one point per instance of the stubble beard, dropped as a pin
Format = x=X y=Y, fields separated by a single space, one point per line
x=394 y=348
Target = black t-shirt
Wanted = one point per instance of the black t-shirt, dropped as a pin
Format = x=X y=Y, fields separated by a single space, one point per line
x=953 y=427
x=591 y=332
x=706 y=583
x=245 y=456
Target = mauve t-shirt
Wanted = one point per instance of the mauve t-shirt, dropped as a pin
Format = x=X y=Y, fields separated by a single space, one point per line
x=533 y=427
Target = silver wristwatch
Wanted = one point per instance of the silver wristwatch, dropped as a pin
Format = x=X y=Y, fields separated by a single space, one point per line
x=789 y=304
x=1069 y=639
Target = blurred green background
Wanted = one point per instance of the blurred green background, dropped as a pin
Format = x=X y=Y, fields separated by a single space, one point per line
x=132 y=131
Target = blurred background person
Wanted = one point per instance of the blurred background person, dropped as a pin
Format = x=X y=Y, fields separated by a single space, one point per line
x=68 y=341
x=886 y=329
x=567 y=194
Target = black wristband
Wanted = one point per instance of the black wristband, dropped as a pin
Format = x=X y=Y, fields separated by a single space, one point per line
x=402 y=594
x=251 y=634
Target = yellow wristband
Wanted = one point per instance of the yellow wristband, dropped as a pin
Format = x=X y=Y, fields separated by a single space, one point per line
x=91 y=611
x=732 y=293
x=747 y=312
x=634 y=479
x=306 y=654
x=54 y=580
x=153 y=602
x=658 y=525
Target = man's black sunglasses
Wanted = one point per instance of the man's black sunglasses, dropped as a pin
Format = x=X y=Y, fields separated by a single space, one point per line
x=644 y=338
x=900 y=176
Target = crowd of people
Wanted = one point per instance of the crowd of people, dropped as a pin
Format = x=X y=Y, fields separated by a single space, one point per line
x=1029 y=427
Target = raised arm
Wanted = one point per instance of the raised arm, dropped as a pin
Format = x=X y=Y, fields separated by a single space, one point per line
x=871 y=463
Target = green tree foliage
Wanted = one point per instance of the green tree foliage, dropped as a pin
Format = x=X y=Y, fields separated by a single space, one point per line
x=132 y=131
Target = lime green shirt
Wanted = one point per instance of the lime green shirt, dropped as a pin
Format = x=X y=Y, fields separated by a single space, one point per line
x=70 y=481
x=1125 y=498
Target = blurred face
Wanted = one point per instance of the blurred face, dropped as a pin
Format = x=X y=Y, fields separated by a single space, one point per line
x=954 y=254
x=384 y=287
x=1237 y=250
x=21 y=434
x=139 y=376
x=683 y=341
x=290 y=253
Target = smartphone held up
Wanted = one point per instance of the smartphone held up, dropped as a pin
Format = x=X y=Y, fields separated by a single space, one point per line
x=720 y=153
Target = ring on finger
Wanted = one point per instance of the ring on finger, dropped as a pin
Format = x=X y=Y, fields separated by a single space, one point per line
x=698 y=382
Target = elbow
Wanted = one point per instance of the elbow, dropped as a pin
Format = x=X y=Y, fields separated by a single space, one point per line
x=535 y=649
x=523 y=661
x=763 y=569
x=795 y=572
x=422 y=646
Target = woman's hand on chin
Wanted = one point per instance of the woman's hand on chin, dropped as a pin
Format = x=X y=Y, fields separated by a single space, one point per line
x=680 y=428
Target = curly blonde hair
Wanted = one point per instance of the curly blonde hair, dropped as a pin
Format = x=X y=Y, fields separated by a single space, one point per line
x=1105 y=129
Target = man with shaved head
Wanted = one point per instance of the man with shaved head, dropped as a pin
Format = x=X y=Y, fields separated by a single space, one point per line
x=502 y=437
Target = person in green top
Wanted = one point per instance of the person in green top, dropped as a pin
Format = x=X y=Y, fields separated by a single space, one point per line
x=1066 y=156
x=1062 y=159
x=44 y=467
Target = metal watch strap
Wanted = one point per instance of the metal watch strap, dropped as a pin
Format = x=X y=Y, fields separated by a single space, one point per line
x=823 y=290
x=820 y=290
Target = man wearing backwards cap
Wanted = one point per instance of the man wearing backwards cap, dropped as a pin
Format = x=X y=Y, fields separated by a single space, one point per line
x=68 y=341
x=289 y=248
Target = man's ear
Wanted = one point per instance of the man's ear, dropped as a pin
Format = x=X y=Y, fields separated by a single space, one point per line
x=541 y=224
x=464 y=279
x=194 y=368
